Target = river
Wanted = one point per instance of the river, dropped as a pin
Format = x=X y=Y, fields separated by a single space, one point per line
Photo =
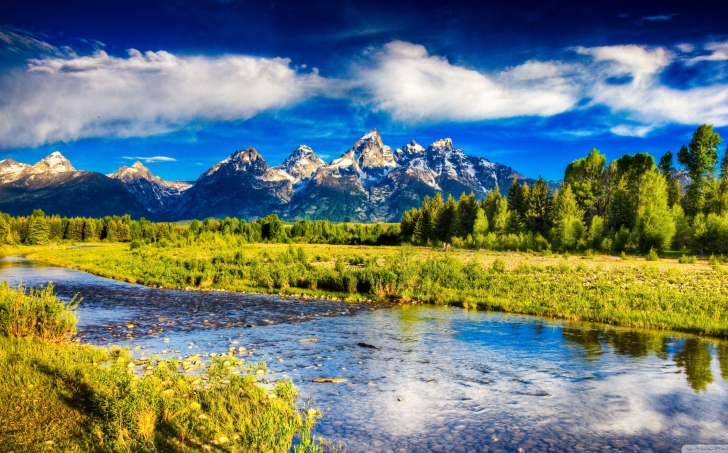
x=442 y=379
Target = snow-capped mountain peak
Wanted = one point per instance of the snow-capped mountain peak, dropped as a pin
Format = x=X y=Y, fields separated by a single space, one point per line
x=55 y=163
x=301 y=164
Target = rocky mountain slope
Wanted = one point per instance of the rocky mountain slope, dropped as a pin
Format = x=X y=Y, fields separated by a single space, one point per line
x=369 y=182
x=54 y=186
x=157 y=195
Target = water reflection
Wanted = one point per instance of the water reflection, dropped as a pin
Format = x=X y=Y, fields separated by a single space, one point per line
x=691 y=354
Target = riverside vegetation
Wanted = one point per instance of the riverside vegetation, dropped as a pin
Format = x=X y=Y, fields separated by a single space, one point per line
x=61 y=396
x=663 y=294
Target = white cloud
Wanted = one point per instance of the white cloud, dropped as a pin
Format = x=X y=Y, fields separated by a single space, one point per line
x=631 y=131
x=643 y=97
x=718 y=52
x=152 y=159
x=405 y=80
x=19 y=41
x=69 y=98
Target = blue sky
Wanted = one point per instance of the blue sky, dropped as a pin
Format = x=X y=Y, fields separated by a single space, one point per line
x=532 y=85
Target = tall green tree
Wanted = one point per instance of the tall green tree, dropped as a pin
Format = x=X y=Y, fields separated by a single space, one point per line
x=502 y=216
x=585 y=178
x=567 y=216
x=699 y=159
x=518 y=204
x=481 y=223
x=445 y=219
x=538 y=212
x=490 y=203
x=465 y=215
x=674 y=190
x=38 y=231
x=655 y=226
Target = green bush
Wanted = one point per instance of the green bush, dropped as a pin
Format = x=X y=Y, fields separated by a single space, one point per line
x=687 y=259
x=37 y=314
x=652 y=255
x=498 y=266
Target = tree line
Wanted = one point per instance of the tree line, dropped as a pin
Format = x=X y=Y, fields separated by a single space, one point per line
x=38 y=229
x=632 y=204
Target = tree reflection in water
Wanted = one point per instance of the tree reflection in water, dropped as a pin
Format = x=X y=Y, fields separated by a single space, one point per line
x=691 y=354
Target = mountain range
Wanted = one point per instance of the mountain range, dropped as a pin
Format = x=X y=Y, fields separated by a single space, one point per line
x=370 y=182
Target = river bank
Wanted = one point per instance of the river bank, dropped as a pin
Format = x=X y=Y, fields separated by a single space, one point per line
x=665 y=294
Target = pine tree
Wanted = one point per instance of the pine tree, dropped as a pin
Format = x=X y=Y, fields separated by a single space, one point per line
x=445 y=220
x=674 y=191
x=38 y=231
x=465 y=213
x=538 y=210
x=518 y=205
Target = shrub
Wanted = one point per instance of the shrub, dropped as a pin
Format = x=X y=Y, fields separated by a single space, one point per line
x=498 y=266
x=687 y=259
x=135 y=245
x=652 y=255
x=37 y=314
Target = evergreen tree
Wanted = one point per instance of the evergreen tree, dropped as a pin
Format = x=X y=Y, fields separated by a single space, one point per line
x=445 y=219
x=518 y=205
x=539 y=208
x=490 y=203
x=699 y=159
x=655 y=225
x=38 y=231
x=674 y=191
x=465 y=213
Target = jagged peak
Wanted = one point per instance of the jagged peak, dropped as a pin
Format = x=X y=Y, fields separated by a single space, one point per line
x=138 y=165
x=445 y=143
x=55 y=163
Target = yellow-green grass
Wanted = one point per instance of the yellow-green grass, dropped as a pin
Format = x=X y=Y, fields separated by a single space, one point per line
x=59 y=396
x=75 y=398
x=662 y=294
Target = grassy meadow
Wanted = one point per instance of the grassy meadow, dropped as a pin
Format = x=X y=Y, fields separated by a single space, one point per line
x=61 y=396
x=683 y=295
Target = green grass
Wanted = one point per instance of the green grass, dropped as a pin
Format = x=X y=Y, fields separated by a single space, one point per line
x=660 y=294
x=58 y=396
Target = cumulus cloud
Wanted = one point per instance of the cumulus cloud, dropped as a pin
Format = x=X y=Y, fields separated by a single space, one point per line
x=73 y=97
x=152 y=159
x=404 y=80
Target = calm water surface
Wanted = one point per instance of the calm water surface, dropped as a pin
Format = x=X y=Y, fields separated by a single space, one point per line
x=443 y=379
